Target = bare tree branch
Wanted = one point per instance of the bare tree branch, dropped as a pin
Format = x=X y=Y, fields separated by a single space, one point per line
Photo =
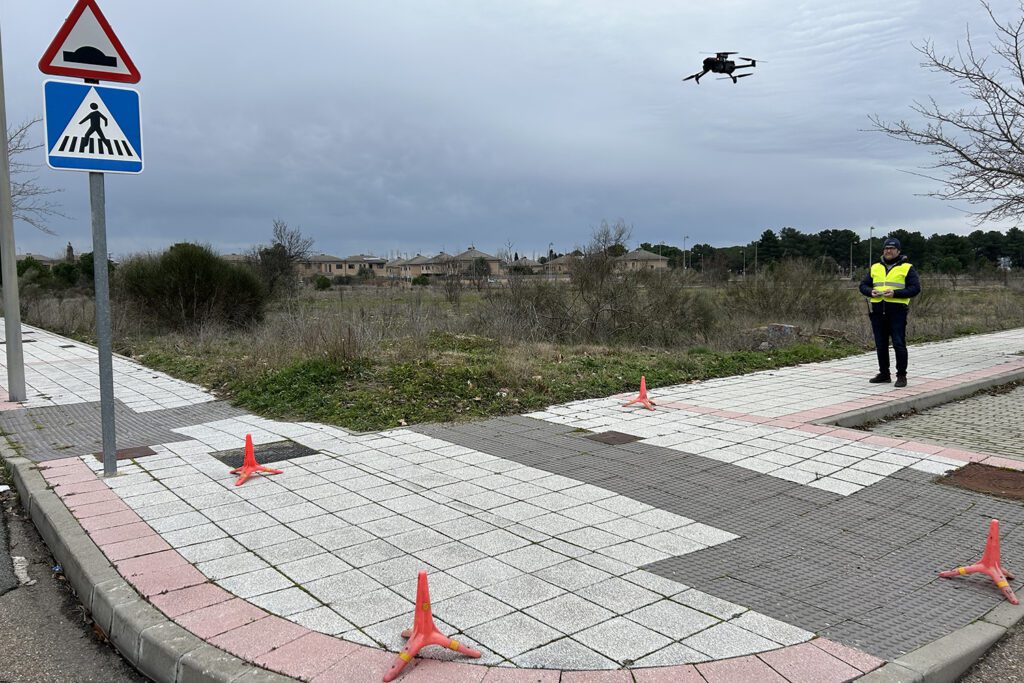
x=978 y=149
x=29 y=200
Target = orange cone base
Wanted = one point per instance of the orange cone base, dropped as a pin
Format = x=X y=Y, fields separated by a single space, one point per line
x=642 y=399
x=249 y=465
x=990 y=565
x=423 y=633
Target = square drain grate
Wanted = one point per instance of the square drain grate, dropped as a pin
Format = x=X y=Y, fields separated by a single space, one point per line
x=266 y=453
x=128 y=453
x=612 y=438
x=995 y=481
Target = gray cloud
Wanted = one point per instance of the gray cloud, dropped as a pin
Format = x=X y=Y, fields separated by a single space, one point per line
x=415 y=126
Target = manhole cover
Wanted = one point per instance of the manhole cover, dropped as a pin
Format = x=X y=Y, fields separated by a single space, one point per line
x=128 y=453
x=271 y=452
x=995 y=481
x=612 y=438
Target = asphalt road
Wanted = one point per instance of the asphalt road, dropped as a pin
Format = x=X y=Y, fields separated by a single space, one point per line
x=45 y=634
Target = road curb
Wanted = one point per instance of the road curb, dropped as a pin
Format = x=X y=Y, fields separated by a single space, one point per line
x=856 y=418
x=945 y=660
x=145 y=637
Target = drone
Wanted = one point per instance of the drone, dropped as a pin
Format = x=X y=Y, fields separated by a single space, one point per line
x=721 y=64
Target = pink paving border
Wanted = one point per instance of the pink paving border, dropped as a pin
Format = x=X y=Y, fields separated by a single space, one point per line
x=801 y=420
x=187 y=597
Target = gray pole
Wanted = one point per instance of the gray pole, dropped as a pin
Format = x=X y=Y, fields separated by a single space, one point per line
x=9 y=265
x=97 y=202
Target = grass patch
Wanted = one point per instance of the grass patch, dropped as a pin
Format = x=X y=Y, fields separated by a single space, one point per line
x=456 y=378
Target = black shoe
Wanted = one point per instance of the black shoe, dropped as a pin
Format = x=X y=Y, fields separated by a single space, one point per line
x=881 y=378
x=901 y=381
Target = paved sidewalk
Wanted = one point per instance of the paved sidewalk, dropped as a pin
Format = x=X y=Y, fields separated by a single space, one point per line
x=730 y=535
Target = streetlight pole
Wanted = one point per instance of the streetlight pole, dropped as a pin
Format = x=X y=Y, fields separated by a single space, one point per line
x=871 y=236
x=12 y=308
x=743 y=273
x=851 y=260
x=685 y=237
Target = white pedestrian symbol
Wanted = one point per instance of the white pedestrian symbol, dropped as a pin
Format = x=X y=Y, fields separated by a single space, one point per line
x=92 y=133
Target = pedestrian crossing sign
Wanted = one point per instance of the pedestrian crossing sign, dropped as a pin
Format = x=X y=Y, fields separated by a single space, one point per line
x=92 y=128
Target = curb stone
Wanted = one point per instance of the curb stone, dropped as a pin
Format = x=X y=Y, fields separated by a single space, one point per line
x=943 y=660
x=856 y=418
x=142 y=634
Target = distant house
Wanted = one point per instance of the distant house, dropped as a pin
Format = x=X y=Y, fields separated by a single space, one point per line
x=559 y=266
x=352 y=265
x=526 y=266
x=640 y=259
x=235 y=258
x=321 y=264
x=472 y=255
x=413 y=268
x=442 y=264
x=393 y=269
x=45 y=261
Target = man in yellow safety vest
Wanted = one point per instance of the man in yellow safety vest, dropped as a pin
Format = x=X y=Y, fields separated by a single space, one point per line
x=890 y=284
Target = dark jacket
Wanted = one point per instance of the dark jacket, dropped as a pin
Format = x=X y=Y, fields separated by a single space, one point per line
x=912 y=288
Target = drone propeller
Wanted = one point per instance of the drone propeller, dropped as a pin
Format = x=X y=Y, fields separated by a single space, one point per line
x=752 y=60
x=719 y=53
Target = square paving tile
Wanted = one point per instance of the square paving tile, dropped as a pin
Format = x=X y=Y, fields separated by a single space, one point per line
x=368 y=553
x=619 y=595
x=569 y=613
x=622 y=640
x=369 y=608
x=286 y=602
x=333 y=589
x=672 y=619
x=523 y=591
x=323 y=620
x=450 y=555
x=484 y=572
x=513 y=634
x=531 y=558
x=255 y=583
x=725 y=640
x=495 y=542
x=573 y=575
x=313 y=568
x=470 y=609
x=568 y=653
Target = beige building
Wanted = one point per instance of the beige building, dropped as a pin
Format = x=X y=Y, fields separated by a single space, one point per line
x=351 y=265
x=321 y=264
x=467 y=258
x=639 y=259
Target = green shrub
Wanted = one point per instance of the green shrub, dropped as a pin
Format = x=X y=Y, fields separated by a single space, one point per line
x=341 y=280
x=188 y=286
x=421 y=281
x=321 y=283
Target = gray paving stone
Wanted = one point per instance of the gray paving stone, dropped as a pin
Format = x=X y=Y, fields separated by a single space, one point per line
x=513 y=634
x=622 y=640
x=618 y=595
x=570 y=654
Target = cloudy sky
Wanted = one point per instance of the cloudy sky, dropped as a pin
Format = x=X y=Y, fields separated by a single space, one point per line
x=409 y=126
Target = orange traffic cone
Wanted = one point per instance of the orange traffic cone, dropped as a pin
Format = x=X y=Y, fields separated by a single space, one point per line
x=249 y=465
x=990 y=564
x=642 y=398
x=423 y=633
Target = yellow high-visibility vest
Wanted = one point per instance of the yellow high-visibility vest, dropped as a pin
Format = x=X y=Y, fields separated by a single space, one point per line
x=895 y=279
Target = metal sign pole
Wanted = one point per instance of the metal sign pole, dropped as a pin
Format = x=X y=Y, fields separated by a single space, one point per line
x=9 y=265
x=97 y=203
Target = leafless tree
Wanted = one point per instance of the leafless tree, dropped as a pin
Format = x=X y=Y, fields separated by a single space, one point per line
x=296 y=246
x=277 y=264
x=979 y=148
x=30 y=201
x=595 y=279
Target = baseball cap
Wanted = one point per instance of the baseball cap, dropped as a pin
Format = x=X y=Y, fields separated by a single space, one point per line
x=891 y=242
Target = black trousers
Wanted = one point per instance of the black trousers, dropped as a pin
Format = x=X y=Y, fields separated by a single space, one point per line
x=889 y=323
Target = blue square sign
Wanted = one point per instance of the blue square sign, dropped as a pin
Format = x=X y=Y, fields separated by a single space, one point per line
x=92 y=128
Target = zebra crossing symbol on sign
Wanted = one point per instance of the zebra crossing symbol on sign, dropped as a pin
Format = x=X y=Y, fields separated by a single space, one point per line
x=92 y=128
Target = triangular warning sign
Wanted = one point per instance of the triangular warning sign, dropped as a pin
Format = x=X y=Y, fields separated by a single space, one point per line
x=93 y=133
x=86 y=47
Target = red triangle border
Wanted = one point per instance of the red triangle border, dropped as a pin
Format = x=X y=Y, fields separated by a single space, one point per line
x=46 y=62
